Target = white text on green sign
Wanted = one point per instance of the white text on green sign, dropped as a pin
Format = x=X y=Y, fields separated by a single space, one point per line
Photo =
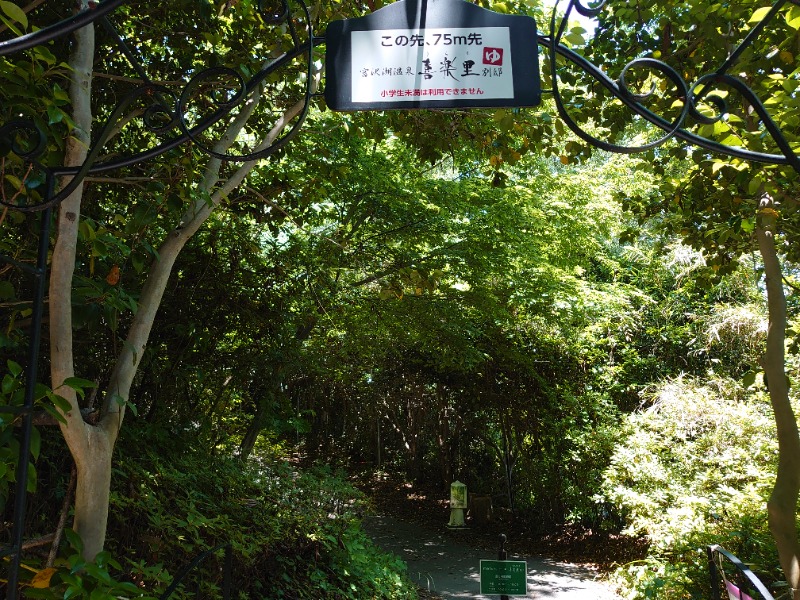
x=504 y=577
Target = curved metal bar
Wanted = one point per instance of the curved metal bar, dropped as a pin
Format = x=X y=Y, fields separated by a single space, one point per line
x=591 y=11
x=274 y=18
x=761 y=110
x=751 y=35
x=181 y=139
x=671 y=128
x=653 y=118
x=60 y=29
x=244 y=90
x=155 y=115
x=91 y=165
x=8 y=136
x=79 y=173
x=752 y=580
x=619 y=90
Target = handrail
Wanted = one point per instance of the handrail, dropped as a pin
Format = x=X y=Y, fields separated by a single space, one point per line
x=715 y=573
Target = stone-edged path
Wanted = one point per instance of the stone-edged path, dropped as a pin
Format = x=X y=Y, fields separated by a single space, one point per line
x=444 y=564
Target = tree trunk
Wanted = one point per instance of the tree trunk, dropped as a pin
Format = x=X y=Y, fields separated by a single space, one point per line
x=92 y=492
x=86 y=443
x=92 y=446
x=782 y=504
x=254 y=429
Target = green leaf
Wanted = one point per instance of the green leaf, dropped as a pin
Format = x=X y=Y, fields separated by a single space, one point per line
x=8 y=384
x=732 y=140
x=86 y=230
x=73 y=590
x=749 y=379
x=60 y=94
x=14 y=368
x=793 y=17
x=56 y=414
x=14 y=181
x=54 y=115
x=14 y=12
x=40 y=391
x=138 y=263
x=74 y=540
x=754 y=185
x=760 y=14
x=60 y=402
x=43 y=53
x=575 y=39
x=36 y=443
x=77 y=383
x=30 y=484
x=99 y=248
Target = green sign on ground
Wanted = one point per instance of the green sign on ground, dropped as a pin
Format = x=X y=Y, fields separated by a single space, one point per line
x=504 y=577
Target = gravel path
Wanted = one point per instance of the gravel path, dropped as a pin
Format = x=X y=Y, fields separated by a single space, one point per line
x=440 y=562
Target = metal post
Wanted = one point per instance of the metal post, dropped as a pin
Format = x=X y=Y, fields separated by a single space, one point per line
x=502 y=555
x=712 y=572
x=12 y=592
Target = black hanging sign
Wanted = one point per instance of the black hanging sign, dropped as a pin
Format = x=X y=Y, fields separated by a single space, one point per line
x=432 y=54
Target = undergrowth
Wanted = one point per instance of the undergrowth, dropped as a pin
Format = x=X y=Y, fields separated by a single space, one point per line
x=294 y=533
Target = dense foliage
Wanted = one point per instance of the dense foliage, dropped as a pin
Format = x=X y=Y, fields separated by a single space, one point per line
x=695 y=468
x=471 y=296
x=293 y=533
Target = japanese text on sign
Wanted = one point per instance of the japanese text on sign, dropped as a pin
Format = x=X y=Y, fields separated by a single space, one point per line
x=435 y=39
x=472 y=63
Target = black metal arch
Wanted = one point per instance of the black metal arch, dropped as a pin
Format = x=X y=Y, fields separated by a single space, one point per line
x=165 y=118
x=692 y=93
x=183 y=133
x=176 y=125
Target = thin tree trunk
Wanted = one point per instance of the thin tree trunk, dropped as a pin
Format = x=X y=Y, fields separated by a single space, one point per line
x=93 y=491
x=86 y=443
x=92 y=446
x=62 y=519
x=254 y=429
x=782 y=504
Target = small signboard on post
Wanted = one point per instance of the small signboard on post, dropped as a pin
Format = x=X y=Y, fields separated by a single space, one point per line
x=432 y=54
x=504 y=577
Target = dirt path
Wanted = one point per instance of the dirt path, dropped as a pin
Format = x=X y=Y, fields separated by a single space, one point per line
x=443 y=562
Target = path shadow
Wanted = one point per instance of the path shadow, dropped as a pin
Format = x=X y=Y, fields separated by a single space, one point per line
x=446 y=564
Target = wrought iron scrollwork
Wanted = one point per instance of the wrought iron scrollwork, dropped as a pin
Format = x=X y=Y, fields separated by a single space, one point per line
x=60 y=29
x=204 y=106
x=690 y=95
x=170 y=116
x=164 y=112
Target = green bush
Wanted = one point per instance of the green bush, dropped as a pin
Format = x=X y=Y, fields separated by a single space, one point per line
x=72 y=578
x=695 y=468
x=295 y=533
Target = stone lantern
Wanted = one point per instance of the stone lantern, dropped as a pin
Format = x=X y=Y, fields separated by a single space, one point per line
x=458 y=503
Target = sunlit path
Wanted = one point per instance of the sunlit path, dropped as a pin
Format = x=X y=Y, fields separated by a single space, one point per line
x=443 y=564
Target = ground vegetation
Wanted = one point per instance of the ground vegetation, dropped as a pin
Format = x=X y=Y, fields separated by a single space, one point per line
x=578 y=336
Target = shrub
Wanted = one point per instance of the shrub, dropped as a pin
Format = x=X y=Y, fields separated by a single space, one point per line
x=695 y=467
x=295 y=533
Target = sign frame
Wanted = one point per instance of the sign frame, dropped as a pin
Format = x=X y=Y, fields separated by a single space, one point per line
x=506 y=578
x=425 y=19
